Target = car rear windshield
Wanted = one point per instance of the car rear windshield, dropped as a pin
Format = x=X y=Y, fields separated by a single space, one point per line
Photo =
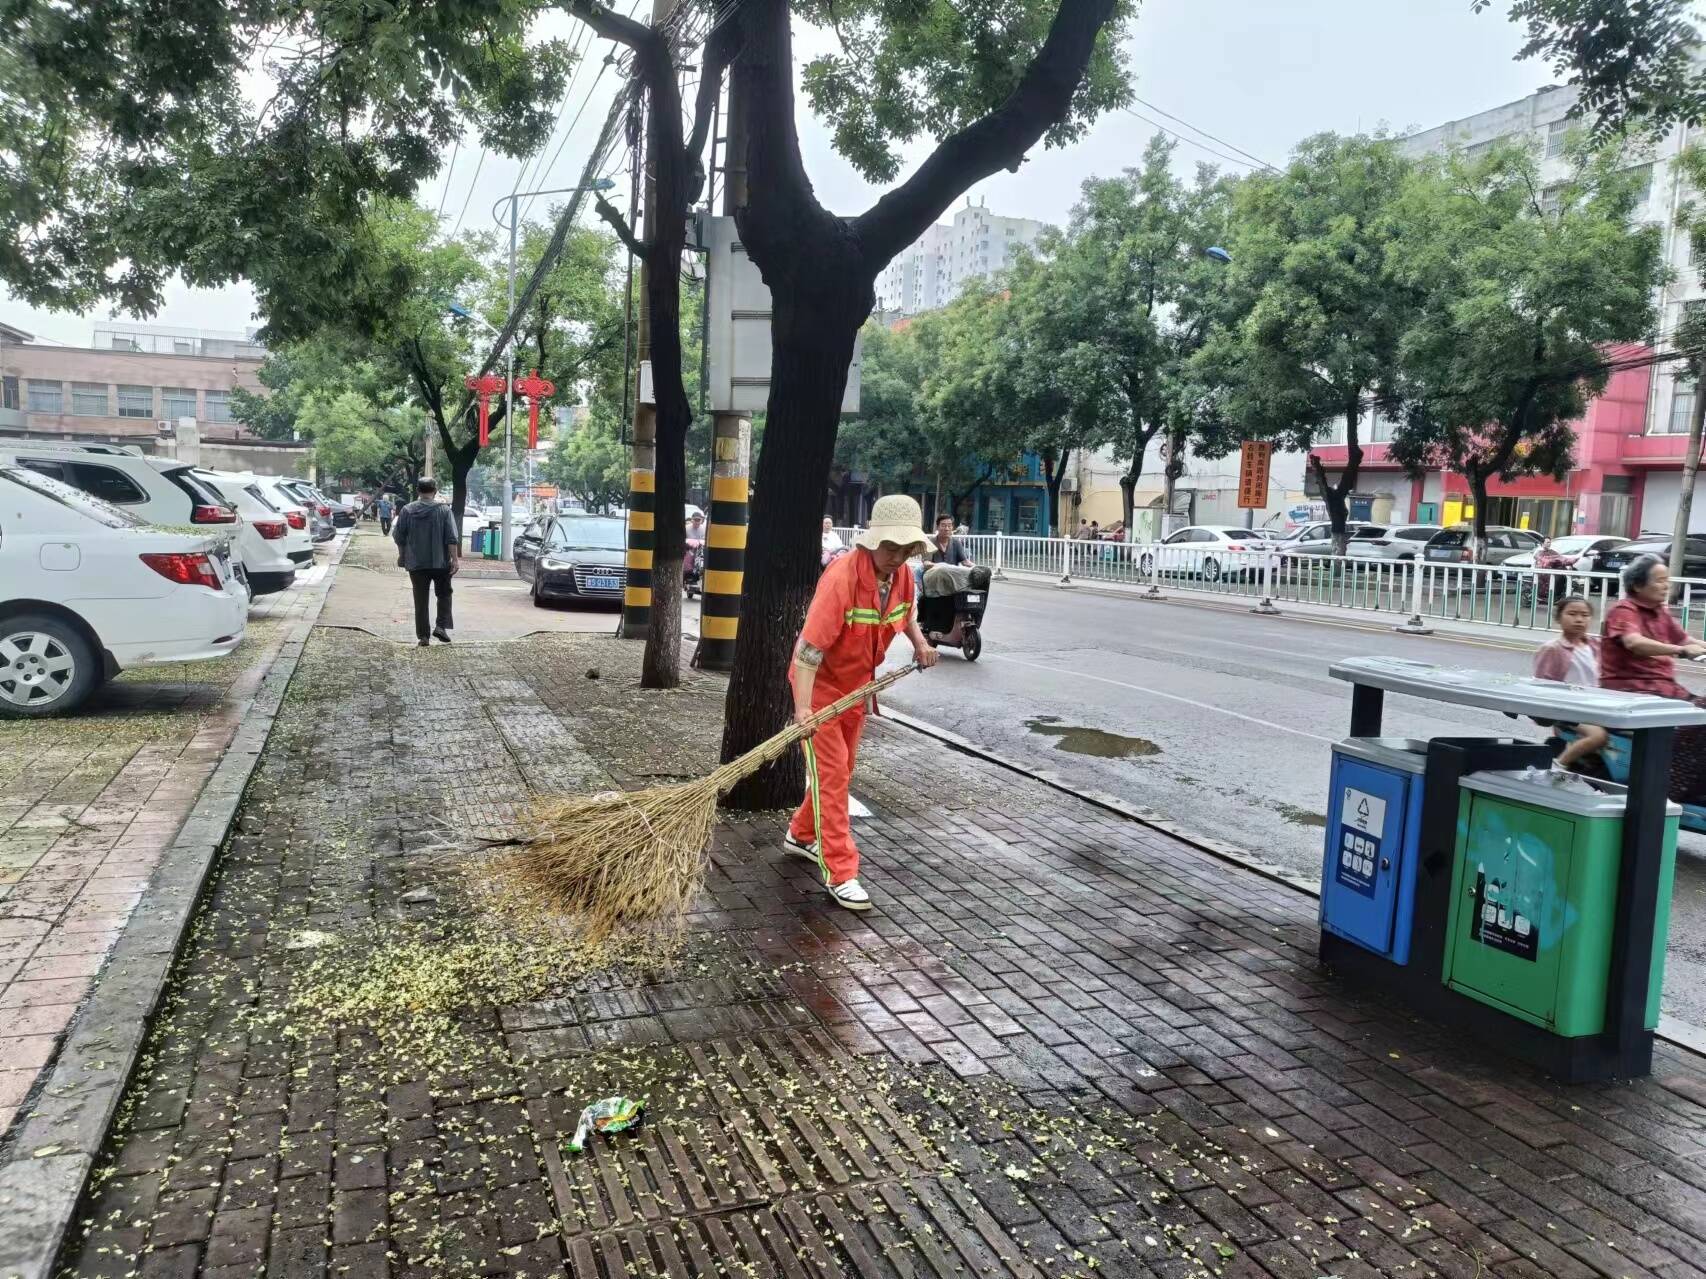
x=591 y=535
x=1236 y=534
x=1416 y=534
x=201 y=493
x=1450 y=537
x=254 y=491
x=103 y=513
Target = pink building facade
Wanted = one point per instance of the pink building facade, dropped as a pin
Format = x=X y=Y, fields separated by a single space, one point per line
x=1625 y=480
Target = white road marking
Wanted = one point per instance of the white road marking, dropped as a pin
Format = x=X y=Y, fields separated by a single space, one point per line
x=1171 y=697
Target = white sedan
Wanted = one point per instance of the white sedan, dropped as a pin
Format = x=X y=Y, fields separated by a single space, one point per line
x=1211 y=551
x=87 y=589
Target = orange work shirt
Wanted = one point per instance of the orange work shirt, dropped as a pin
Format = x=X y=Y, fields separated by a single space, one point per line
x=850 y=625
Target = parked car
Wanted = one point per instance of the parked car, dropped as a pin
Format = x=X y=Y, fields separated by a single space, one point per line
x=529 y=539
x=1210 y=551
x=1454 y=545
x=1397 y=542
x=298 y=541
x=1317 y=539
x=324 y=527
x=577 y=557
x=88 y=588
x=260 y=542
x=1619 y=558
x=299 y=511
x=155 y=490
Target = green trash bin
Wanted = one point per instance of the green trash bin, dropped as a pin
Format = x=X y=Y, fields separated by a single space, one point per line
x=494 y=542
x=1534 y=897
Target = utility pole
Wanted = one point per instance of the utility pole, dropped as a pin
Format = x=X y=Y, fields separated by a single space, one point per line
x=731 y=459
x=642 y=464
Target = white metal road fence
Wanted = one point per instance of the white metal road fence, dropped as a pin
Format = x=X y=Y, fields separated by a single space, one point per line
x=1516 y=598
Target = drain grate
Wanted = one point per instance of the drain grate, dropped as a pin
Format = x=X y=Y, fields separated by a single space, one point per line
x=781 y=1153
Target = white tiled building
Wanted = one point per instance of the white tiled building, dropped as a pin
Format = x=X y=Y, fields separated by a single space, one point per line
x=929 y=273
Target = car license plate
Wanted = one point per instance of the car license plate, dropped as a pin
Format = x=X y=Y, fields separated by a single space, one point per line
x=1442 y=555
x=603 y=583
x=973 y=598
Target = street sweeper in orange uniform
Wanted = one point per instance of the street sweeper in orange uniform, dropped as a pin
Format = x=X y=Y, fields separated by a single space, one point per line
x=863 y=601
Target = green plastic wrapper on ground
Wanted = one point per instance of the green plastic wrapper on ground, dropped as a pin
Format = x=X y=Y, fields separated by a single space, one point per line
x=613 y=1114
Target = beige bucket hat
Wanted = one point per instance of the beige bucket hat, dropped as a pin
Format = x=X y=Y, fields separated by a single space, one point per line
x=896 y=519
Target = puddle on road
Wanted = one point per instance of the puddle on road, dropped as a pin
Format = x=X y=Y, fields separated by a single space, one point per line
x=1300 y=816
x=1091 y=741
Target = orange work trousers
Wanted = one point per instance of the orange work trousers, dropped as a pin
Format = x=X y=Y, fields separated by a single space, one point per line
x=822 y=816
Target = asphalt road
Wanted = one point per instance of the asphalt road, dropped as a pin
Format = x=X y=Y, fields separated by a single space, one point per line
x=1221 y=720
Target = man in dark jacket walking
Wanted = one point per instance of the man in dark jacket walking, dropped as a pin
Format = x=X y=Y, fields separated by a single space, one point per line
x=430 y=547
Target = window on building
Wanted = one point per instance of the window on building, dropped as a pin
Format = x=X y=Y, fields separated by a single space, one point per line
x=177 y=401
x=46 y=397
x=1556 y=133
x=183 y=346
x=1552 y=201
x=1681 y=407
x=1643 y=175
x=8 y=392
x=89 y=399
x=136 y=401
x=218 y=406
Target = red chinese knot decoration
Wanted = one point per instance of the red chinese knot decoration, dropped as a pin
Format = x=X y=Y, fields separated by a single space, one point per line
x=534 y=389
x=485 y=387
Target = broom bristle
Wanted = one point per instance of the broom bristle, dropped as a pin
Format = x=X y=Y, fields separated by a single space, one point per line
x=638 y=857
x=621 y=857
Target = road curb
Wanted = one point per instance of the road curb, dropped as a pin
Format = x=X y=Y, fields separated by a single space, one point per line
x=74 y=1107
x=1679 y=1034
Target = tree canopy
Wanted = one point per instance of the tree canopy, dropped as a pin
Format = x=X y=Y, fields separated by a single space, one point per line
x=1520 y=298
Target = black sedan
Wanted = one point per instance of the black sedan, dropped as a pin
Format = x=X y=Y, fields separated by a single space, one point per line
x=1619 y=558
x=575 y=557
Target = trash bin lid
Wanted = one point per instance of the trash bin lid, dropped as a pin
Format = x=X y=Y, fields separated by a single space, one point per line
x=1406 y=753
x=1552 y=788
x=1518 y=694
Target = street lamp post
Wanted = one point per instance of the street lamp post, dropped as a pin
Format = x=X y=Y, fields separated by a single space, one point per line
x=514 y=201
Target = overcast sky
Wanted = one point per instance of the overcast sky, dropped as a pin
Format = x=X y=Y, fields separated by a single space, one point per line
x=1257 y=74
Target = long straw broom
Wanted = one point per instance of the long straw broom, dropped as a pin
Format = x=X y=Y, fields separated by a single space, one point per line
x=623 y=857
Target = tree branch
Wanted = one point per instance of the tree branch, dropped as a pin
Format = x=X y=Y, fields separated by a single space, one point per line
x=612 y=25
x=619 y=224
x=999 y=140
x=721 y=48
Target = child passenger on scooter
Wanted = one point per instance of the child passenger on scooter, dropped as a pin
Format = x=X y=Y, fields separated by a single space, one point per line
x=1573 y=658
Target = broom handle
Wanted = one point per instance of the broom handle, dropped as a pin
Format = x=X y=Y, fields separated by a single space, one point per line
x=771 y=749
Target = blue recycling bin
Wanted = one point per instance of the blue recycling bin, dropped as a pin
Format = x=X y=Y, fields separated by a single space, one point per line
x=1374 y=824
x=477 y=540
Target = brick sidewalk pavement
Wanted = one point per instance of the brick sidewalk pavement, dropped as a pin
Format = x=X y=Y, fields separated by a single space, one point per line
x=88 y=804
x=1062 y=1044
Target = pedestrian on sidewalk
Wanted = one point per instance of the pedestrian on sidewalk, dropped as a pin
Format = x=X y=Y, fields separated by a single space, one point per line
x=384 y=508
x=863 y=601
x=429 y=546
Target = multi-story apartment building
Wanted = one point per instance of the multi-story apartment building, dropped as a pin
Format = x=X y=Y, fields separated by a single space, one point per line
x=131 y=382
x=1631 y=440
x=929 y=274
x=156 y=388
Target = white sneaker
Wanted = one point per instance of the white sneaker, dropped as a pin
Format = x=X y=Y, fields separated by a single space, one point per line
x=851 y=894
x=794 y=848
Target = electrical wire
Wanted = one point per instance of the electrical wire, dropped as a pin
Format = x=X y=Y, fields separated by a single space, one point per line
x=1201 y=146
x=1255 y=159
x=475 y=181
x=578 y=51
x=449 y=177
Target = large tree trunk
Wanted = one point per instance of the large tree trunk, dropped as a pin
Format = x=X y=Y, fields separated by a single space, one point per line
x=812 y=348
x=1477 y=480
x=1170 y=474
x=1337 y=496
x=821 y=271
x=1690 y=469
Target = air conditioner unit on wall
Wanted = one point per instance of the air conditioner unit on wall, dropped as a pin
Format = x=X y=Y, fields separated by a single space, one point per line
x=164 y=426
